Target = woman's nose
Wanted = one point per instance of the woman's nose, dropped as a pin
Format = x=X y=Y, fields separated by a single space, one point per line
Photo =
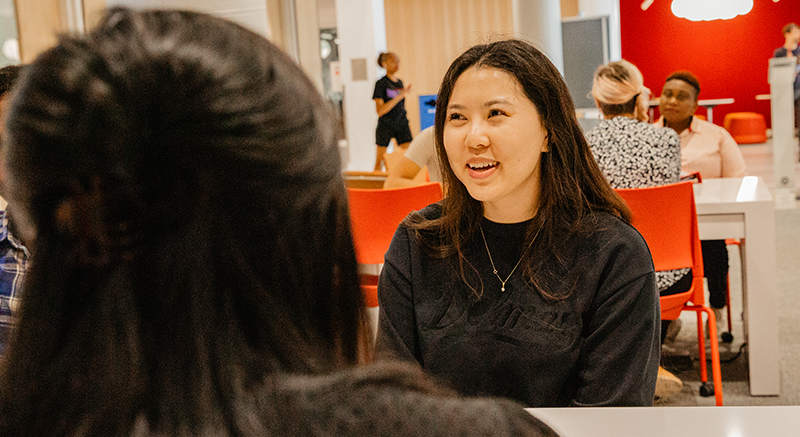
x=477 y=138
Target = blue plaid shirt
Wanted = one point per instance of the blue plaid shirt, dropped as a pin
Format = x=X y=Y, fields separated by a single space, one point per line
x=13 y=262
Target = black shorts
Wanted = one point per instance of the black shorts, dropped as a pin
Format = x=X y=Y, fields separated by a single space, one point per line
x=386 y=131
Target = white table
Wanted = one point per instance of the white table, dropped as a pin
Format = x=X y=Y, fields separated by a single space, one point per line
x=743 y=208
x=672 y=421
x=708 y=104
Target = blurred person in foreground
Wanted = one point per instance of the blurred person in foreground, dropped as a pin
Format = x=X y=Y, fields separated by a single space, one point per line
x=193 y=271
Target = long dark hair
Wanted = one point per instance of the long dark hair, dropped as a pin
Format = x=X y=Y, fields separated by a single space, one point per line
x=572 y=186
x=191 y=233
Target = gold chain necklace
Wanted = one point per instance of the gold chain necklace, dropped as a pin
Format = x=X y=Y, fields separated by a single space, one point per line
x=494 y=269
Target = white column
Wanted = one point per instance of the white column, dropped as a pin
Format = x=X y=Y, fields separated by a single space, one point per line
x=781 y=80
x=539 y=22
x=362 y=35
x=308 y=40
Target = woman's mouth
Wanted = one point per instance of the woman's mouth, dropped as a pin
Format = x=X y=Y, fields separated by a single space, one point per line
x=481 y=170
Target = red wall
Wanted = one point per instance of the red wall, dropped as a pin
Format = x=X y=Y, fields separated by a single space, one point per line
x=729 y=57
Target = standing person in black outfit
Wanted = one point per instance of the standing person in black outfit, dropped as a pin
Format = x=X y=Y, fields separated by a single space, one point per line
x=194 y=272
x=791 y=47
x=389 y=96
x=527 y=280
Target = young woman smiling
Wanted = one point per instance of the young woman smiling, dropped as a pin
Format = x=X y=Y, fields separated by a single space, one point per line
x=527 y=281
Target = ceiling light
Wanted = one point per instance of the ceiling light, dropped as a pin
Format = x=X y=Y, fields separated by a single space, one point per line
x=707 y=10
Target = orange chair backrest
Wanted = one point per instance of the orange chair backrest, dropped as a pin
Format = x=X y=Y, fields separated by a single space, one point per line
x=667 y=219
x=375 y=215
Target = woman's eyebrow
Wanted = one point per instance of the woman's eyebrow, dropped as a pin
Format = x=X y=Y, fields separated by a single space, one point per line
x=497 y=101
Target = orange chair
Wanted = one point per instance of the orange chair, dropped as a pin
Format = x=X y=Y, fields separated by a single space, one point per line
x=666 y=218
x=374 y=217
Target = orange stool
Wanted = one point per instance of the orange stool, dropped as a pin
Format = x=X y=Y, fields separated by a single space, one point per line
x=746 y=127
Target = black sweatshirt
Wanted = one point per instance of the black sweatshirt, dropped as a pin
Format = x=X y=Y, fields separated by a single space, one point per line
x=599 y=347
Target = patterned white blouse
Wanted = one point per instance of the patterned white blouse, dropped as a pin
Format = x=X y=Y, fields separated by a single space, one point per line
x=634 y=154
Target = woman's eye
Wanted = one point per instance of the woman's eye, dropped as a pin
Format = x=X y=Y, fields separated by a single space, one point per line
x=454 y=116
x=495 y=112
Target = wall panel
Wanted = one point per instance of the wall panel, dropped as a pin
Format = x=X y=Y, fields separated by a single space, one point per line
x=428 y=34
x=39 y=23
x=92 y=12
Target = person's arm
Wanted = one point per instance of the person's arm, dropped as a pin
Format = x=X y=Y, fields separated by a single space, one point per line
x=619 y=359
x=732 y=164
x=383 y=106
x=402 y=172
x=397 y=331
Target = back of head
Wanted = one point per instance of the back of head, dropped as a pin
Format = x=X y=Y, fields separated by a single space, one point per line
x=618 y=87
x=8 y=75
x=179 y=179
x=789 y=28
x=383 y=57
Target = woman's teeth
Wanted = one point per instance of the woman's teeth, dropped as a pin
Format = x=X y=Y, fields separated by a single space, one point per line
x=482 y=166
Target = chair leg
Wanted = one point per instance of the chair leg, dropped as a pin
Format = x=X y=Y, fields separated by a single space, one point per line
x=716 y=371
x=715 y=388
x=701 y=341
x=727 y=337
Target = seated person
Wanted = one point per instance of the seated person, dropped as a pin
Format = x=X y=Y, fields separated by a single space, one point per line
x=632 y=154
x=178 y=177
x=709 y=150
x=404 y=169
x=527 y=281
x=13 y=254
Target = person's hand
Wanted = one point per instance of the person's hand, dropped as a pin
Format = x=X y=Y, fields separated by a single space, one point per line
x=405 y=90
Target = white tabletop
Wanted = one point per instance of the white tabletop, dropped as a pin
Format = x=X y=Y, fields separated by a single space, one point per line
x=714 y=102
x=672 y=421
x=705 y=102
x=730 y=195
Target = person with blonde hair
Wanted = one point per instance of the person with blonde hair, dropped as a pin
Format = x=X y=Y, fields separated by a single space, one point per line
x=632 y=154
x=617 y=84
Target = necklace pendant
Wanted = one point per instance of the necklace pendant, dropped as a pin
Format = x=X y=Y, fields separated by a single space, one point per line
x=503 y=288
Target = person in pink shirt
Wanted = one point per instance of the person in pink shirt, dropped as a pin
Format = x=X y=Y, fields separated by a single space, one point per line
x=709 y=150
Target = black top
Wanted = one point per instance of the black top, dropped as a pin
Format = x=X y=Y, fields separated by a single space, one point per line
x=599 y=347
x=384 y=401
x=386 y=89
